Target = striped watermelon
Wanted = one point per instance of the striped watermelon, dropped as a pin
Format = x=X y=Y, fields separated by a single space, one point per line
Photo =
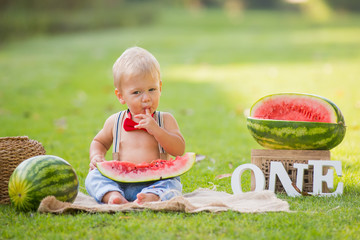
x=155 y=170
x=296 y=121
x=39 y=177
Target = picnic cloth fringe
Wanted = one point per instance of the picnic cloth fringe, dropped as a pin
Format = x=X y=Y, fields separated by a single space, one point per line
x=197 y=201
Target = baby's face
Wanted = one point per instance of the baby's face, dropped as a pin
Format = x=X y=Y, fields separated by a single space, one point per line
x=140 y=92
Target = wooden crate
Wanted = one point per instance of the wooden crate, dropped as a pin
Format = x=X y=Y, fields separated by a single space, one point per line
x=263 y=157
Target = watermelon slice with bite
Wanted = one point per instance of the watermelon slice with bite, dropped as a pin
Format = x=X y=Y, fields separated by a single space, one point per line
x=156 y=170
x=296 y=121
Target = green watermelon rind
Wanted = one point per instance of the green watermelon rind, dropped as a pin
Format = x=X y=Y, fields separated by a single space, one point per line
x=296 y=135
x=336 y=112
x=189 y=157
x=39 y=177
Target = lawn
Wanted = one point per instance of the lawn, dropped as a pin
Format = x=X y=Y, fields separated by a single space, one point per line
x=58 y=90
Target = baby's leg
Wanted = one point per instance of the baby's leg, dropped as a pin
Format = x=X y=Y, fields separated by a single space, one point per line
x=98 y=186
x=161 y=190
x=114 y=197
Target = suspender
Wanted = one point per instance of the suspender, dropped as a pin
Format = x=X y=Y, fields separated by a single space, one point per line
x=118 y=125
x=116 y=131
x=160 y=121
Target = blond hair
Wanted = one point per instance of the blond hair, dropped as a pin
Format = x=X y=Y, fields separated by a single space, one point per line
x=133 y=61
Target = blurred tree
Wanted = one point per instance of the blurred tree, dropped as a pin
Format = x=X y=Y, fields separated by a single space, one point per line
x=261 y=3
x=234 y=8
x=4 y=4
x=345 y=5
x=21 y=18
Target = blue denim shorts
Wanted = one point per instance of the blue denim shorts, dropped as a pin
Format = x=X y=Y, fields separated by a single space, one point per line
x=98 y=185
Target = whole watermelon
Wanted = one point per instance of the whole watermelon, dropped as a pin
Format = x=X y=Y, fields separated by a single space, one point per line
x=39 y=177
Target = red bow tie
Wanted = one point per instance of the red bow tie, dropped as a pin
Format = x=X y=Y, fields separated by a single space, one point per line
x=129 y=124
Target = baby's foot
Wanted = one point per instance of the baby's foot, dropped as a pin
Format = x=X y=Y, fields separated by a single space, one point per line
x=146 y=197
x=114 y=198
x=117 y=200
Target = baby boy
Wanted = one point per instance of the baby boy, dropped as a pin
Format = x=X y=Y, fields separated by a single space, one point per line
x=139 y=134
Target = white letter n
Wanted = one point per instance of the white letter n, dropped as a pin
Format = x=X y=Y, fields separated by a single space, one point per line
x=277 y=169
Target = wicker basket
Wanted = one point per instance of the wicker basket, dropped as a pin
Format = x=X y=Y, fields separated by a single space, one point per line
x=263 y=157
x=14 y=150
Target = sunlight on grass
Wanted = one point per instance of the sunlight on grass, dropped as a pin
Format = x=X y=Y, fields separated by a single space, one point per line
x=240 y=85
x=256 y=80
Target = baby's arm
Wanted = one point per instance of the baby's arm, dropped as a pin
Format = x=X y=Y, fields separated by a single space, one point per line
x=169 y=137
x=101 y=143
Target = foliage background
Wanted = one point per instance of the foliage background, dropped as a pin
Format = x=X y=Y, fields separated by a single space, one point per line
x=22 y=18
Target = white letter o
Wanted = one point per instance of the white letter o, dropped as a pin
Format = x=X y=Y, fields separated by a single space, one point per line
x=236 y=178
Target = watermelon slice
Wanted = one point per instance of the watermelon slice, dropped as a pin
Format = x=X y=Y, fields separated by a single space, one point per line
x=296 y=121
x=156 y=170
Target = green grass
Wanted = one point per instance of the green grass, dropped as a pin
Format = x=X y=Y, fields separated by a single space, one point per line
x=58 y=90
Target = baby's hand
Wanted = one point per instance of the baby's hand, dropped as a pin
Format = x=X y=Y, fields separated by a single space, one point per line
x=147 y=122
x=94 y=160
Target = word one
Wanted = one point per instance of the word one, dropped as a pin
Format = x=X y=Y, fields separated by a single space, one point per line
x=278 y=169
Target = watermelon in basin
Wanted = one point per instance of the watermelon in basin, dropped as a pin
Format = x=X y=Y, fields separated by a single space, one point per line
x=296 y=121
x=156 y=170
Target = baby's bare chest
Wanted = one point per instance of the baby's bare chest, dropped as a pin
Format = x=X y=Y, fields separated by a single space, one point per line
x=138 y=147
x=138 y=138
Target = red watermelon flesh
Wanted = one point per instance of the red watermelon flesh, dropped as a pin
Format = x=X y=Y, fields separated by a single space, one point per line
x=155 y=170
x=295 y=107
